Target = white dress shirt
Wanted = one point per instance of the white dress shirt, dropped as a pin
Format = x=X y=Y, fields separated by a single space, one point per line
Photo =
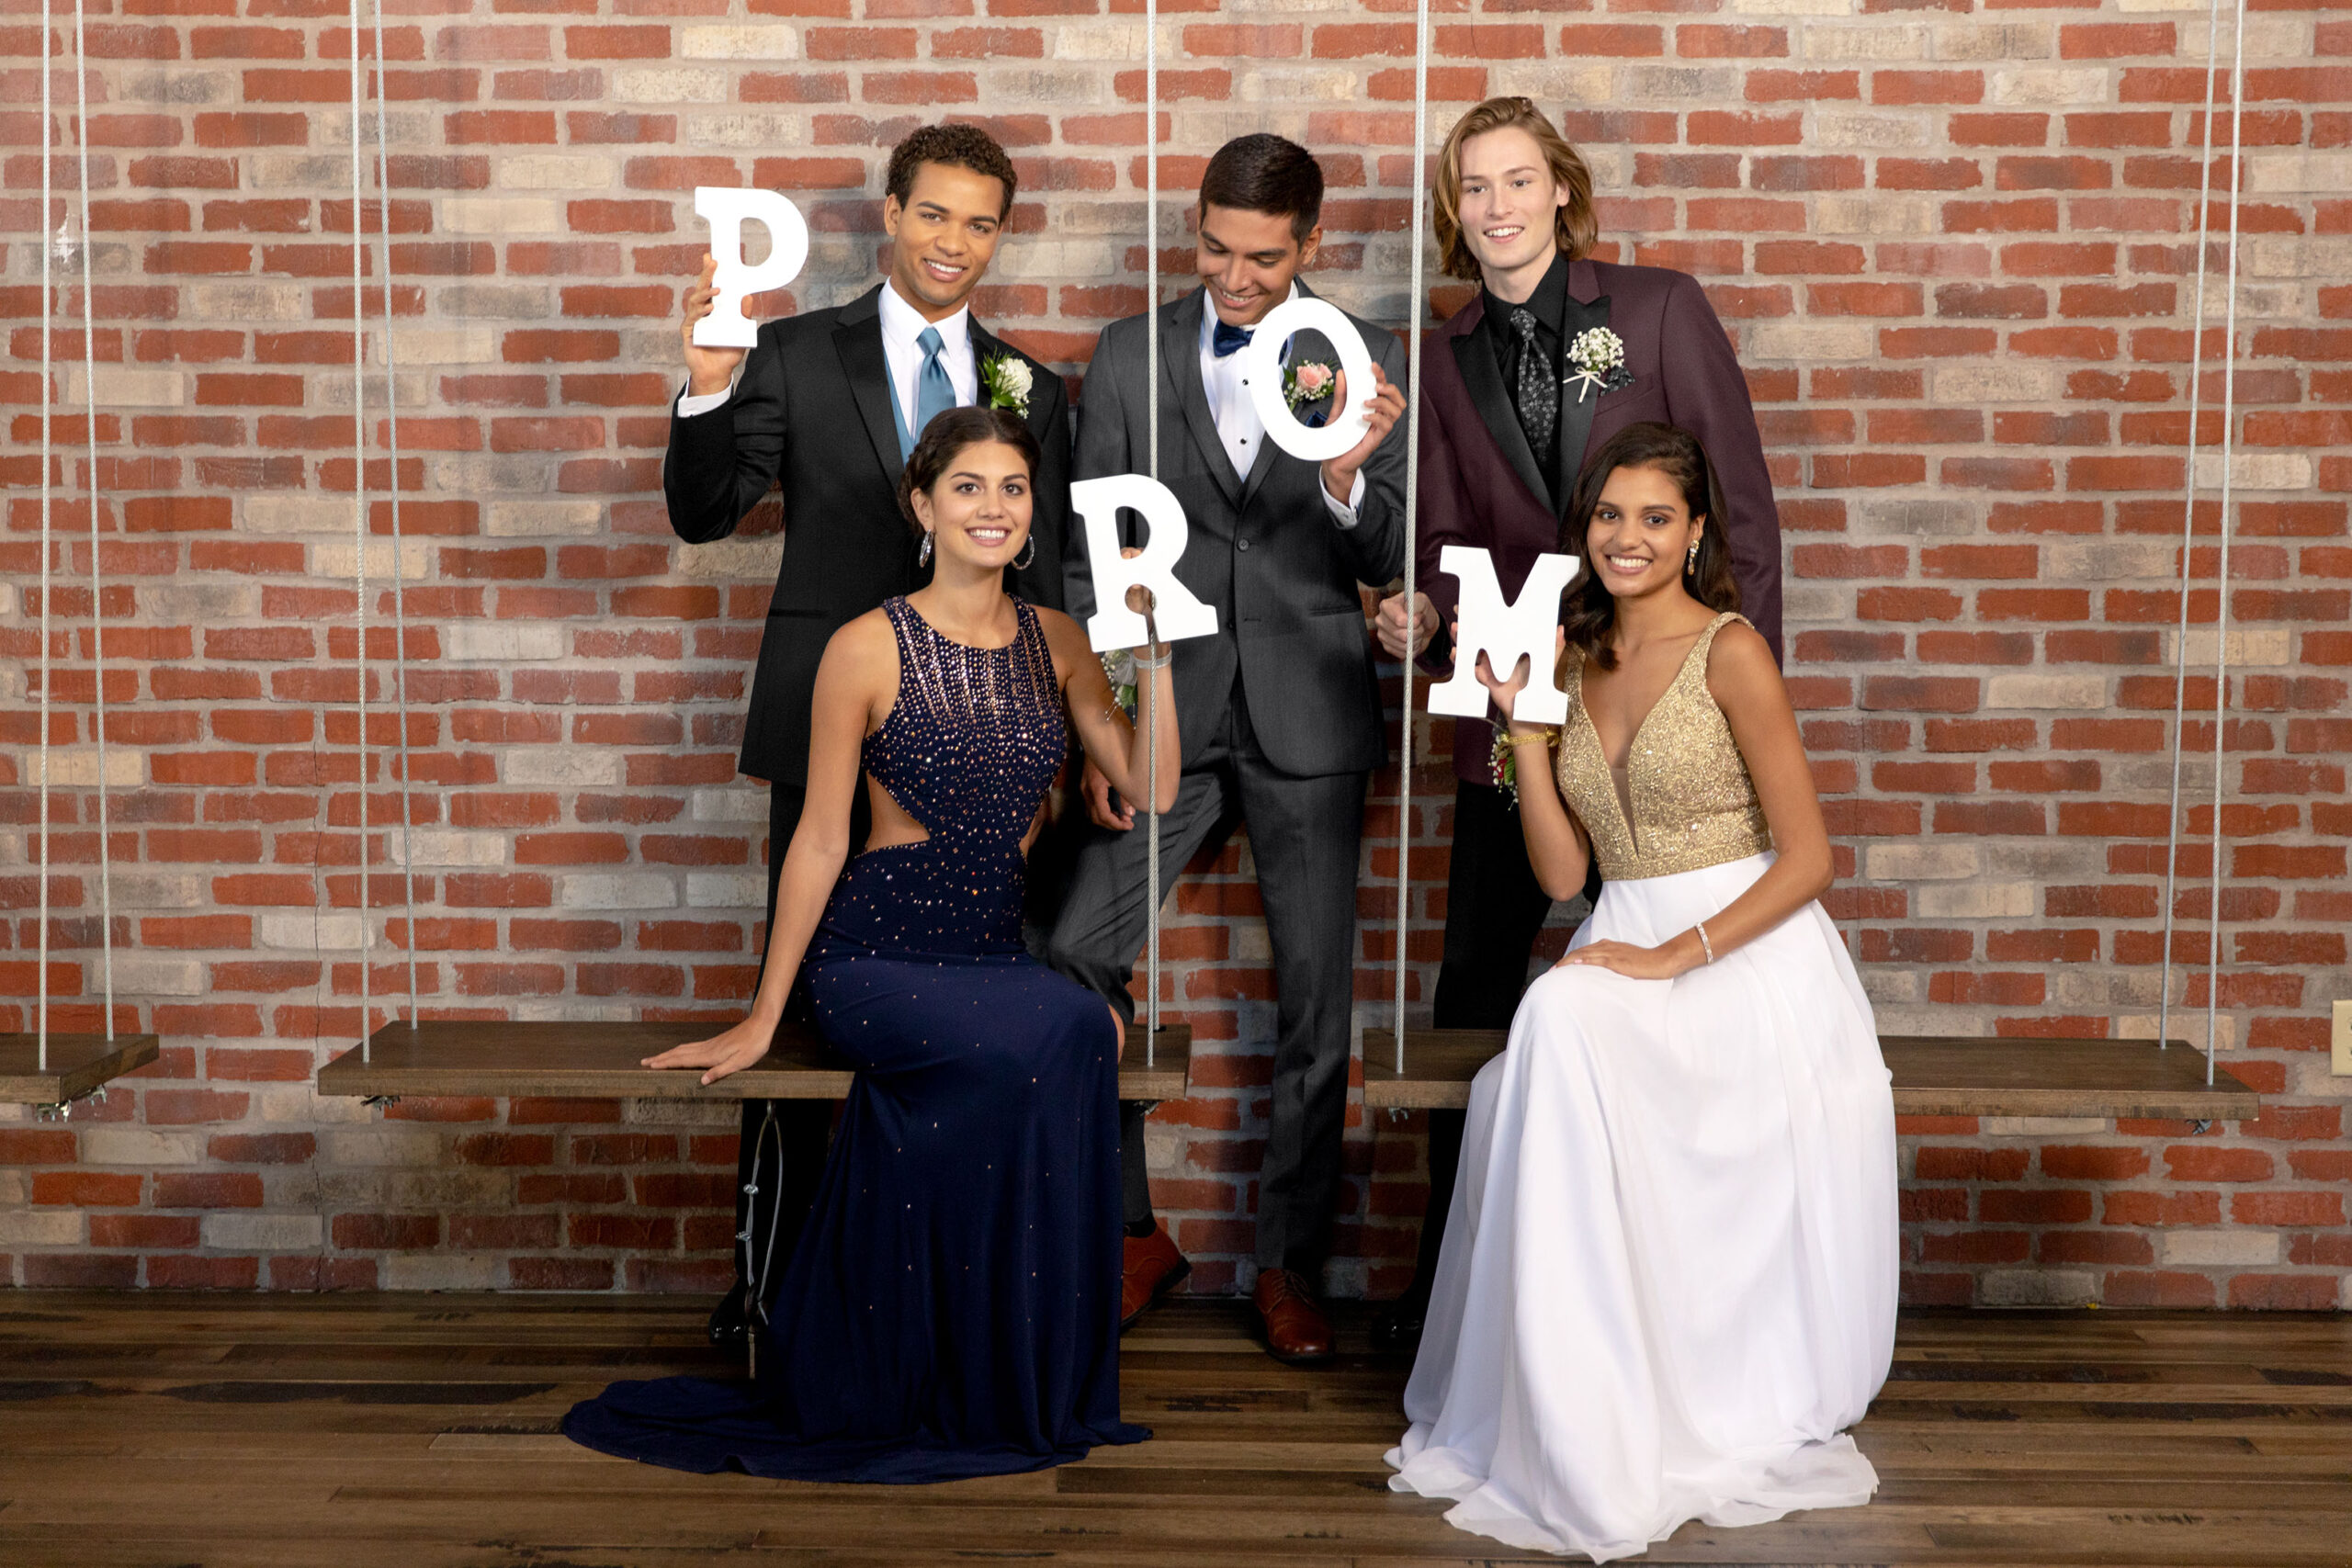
x=1238 y=427
x=902 y=325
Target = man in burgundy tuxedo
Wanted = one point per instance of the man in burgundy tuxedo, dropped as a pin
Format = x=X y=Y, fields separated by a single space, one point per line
x=1507 y=416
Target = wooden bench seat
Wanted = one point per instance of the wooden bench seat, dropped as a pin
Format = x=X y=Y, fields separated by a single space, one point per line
x=1934 y=1076
x=77 y=1065
x=600 y=1061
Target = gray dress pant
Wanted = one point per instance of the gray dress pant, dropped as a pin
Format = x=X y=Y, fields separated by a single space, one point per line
x=1303 y=833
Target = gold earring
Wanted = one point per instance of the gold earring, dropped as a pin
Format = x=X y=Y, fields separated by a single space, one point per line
x=1690 y=561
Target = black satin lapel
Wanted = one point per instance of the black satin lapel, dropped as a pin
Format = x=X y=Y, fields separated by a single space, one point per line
x=1577 y=411
x=1180 y=371
x=859 y=344
x=1485 y=379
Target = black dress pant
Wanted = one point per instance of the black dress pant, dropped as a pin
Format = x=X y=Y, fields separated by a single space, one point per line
x=1493 y=910
x=782 y=1153
x=1304 y=831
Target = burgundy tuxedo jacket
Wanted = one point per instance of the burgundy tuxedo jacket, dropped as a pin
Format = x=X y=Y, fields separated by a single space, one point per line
x=1480 y=484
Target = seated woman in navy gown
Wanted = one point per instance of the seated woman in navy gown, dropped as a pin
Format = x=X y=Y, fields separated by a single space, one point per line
x=950 y=1308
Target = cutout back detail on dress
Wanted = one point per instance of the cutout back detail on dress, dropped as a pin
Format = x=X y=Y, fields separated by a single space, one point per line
x=971 y=746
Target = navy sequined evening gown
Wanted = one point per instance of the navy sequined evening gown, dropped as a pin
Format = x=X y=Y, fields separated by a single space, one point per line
x=950 y=1308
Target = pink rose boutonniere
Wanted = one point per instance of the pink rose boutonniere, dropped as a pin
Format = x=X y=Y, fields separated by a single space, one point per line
x=1308 y=381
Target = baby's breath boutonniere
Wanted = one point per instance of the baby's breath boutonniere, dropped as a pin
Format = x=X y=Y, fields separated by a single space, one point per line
x=1598 y=356
x=1006 y=379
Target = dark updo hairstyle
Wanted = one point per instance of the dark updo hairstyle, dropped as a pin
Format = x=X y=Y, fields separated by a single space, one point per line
x=1589 y=612
x=945 y=438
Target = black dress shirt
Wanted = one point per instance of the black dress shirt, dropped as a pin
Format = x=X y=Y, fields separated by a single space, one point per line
x=1550 y=303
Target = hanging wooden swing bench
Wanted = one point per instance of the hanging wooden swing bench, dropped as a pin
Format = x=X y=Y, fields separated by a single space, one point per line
x=75 y=1064
x=1934 y=1076
x=601 y=1061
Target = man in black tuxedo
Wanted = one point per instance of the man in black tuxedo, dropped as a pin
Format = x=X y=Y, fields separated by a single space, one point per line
x=828 y=404
x=1505 y=420
x=1280 y=710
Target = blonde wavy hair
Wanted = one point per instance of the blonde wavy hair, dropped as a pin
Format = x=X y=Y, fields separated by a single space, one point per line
x=1574 y=226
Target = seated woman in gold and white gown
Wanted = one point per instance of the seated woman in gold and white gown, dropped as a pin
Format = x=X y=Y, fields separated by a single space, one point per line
x=1668 y=1279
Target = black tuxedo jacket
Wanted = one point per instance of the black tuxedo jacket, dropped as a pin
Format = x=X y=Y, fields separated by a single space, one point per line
x=1264 y=549
x=1480 y=484
x=811 y=413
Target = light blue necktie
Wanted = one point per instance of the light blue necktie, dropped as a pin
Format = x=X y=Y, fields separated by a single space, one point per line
x=935 y=393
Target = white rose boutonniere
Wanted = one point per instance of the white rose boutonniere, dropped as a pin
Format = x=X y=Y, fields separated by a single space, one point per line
x=1599 y=356
x=1005 y=382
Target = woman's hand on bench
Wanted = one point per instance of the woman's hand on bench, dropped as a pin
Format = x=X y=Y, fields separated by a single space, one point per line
x=721 y=1055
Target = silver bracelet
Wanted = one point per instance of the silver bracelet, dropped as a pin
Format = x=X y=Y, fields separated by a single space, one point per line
x=1704 y=945
x=1162 y=662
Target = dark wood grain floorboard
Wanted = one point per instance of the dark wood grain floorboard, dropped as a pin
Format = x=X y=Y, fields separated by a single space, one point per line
x=389 y=1431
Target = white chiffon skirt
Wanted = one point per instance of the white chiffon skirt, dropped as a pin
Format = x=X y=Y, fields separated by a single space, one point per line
x=1669 y=1273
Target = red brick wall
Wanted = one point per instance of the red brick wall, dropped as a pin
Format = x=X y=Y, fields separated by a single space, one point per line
x=1952 y=241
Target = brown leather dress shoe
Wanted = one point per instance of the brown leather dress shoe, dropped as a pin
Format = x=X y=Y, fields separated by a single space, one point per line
x=1297 y=1330
x=1152 y=1268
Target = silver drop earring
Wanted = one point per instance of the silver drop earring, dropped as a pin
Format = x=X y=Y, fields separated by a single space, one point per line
x=923 y=556
x=1028 y=554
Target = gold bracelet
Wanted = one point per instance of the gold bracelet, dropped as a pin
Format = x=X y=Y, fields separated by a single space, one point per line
x=1547 y=734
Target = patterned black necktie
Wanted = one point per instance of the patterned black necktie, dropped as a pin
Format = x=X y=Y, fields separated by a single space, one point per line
x=1539 y=389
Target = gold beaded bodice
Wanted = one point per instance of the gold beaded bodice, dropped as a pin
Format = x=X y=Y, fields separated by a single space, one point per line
x=1693 y=802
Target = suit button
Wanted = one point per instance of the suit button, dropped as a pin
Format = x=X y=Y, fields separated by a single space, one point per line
x=1240 y=544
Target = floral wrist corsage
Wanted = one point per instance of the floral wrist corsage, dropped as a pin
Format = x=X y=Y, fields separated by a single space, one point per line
x=1502 y=758
x=1119 y=669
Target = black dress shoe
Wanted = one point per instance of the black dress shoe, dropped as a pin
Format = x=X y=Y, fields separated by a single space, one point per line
x=730 y=1321
x=1398 y=1330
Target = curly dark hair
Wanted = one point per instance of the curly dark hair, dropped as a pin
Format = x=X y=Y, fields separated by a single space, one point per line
x=959 y=146
x=945 y=437
x=1589 y=612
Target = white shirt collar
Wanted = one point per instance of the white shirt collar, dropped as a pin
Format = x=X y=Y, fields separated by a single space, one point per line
x=902 y=324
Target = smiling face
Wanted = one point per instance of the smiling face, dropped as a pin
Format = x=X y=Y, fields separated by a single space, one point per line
x=943 y=238
x=1509 y=208
x=1641 y=534
x=979 y=511
x=1248 y=260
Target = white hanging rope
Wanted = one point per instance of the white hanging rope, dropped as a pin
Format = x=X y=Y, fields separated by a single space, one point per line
x=359 y=512
x=98 y=609
x=2221 y=567
x=48 y=457
x=1413 y=309
x=1152 y=423
x=2188 y=533
x=400 y=608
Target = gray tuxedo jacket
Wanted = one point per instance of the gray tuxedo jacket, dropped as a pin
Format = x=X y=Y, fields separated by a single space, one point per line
x=1265 y=551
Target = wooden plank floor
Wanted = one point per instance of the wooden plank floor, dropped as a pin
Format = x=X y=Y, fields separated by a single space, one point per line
x=414 y=1431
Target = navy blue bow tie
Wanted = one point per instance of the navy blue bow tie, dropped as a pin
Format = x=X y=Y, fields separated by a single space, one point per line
x=1228 y=340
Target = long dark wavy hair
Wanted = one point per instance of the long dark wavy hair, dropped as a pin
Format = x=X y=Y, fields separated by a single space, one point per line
x=949 y=432
x=1589 y=612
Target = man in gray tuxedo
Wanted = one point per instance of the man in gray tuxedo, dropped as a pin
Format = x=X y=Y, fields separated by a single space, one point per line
x=1280 y=710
